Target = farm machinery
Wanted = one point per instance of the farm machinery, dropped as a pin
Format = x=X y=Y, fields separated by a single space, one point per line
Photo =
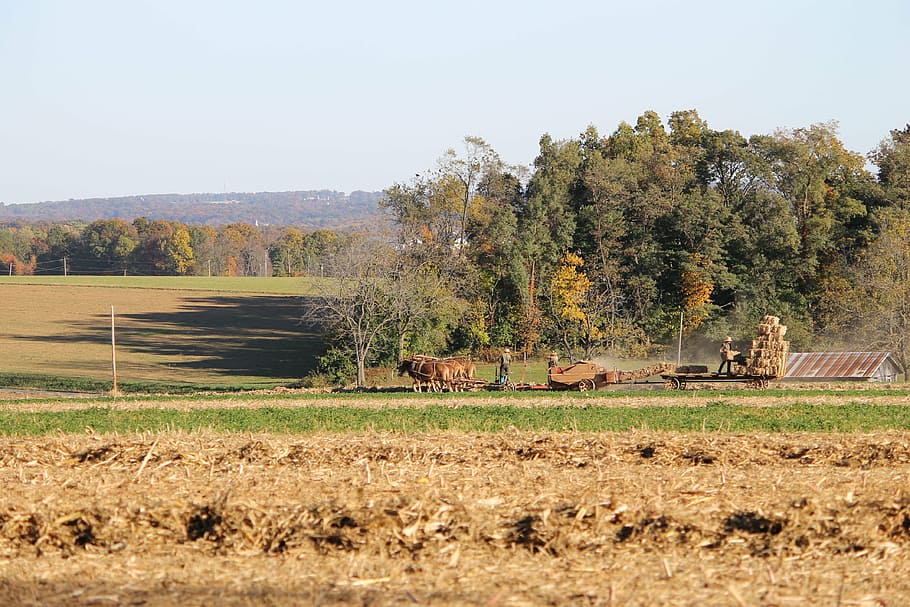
x=586 y=376
x=766 y=361
x=582 y=376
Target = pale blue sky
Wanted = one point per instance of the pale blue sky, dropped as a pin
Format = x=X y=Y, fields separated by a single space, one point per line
x=120 y=97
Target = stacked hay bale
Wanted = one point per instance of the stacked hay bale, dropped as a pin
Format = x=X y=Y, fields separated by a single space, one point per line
x=646 y=372
x=768 y=356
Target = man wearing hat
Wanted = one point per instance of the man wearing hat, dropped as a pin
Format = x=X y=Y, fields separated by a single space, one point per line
x=505 y=362
x=553 y=360
x=726 y=355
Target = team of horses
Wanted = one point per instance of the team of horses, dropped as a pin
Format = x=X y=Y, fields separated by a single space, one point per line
x=437 y=374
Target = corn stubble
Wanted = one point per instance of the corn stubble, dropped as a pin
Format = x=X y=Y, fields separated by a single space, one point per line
x=517 y=518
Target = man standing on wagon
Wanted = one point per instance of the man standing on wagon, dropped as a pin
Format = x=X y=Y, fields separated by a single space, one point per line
x=727 y=353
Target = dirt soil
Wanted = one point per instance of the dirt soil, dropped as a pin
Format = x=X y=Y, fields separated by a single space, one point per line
x=39 y=401
x=519 y=518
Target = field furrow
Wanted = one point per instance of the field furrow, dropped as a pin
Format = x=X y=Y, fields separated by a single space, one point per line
x=512 y=518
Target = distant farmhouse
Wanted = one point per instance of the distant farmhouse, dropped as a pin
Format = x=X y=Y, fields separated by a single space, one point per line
x=842 y=366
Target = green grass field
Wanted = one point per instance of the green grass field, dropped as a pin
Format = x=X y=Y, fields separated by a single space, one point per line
x=718 y=417
x=174 y=333
x=217 y=332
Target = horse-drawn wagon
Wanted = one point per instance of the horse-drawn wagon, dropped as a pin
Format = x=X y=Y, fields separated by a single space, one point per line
x=766 y=361
x=457 y=375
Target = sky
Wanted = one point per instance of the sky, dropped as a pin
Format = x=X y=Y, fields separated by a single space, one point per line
x=102 y=98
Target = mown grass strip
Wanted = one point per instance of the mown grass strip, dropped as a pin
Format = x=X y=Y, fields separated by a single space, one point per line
x=849 y=417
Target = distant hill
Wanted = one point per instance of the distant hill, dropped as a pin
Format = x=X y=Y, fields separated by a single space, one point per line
x=312 y=209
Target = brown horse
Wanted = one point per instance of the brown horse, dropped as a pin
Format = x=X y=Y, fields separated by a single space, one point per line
x=436 y=374
x=412 y=368
x=443 y=374
x=462 y=367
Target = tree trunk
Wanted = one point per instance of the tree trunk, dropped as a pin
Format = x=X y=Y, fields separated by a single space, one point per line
x=361 y=355
x=401 y=337
x=361 y=372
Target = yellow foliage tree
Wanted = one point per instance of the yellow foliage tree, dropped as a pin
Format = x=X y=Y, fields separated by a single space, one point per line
x=569 y=288
x=571 y=293
x=696 y=292
x=180 y=252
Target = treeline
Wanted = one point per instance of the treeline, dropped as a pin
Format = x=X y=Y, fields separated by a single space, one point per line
x=160 y=247
x=608 y=245
x=611 y=243
x=316 y=209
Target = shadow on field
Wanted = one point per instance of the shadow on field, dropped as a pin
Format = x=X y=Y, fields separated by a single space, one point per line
x=258 y=335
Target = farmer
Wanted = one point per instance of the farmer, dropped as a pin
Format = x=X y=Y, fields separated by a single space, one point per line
x=553 y=360
x=726 y=355
x=505 y=361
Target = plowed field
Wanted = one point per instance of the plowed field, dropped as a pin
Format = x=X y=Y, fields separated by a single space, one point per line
x=518 y=518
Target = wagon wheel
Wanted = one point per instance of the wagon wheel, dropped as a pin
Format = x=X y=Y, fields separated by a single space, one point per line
x=674 y=383
x=586 y=384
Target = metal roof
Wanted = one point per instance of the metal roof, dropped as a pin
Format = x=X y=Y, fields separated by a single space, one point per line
x=845 y=365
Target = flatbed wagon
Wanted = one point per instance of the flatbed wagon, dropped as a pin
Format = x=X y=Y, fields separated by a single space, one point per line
x=766 y=360
x=679 y=381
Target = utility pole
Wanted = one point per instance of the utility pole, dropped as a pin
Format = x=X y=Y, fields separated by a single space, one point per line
x=114 y=391
x=64 y=266
x=679 y=347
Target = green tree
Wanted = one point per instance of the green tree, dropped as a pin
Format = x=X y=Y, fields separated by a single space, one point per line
x=63 y=241
x=288 y=254
x=203 y=243
x=459 y=222
x=581 y=314
x=110 y=243
x=813 y=172
x=546 y=222
x=893 y=160
x=601 y=237
x=427 y=212
x=463 y=173
x=547 y=218
x=356 y=305
x=731 y=167
x=493 y=283
x=421 y=304
x=165 y=247
x=882 y=277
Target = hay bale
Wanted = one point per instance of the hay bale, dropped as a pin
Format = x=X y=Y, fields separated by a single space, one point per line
x=768 y=355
